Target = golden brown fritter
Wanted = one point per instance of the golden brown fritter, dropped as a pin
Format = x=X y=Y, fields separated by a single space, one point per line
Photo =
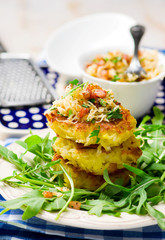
x=95 y=159
x=86 y=180
x=89 y=109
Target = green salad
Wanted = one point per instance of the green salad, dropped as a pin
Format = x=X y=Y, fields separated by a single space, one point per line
x=145 y=189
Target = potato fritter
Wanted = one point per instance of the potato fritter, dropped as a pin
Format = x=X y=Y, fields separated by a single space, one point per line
x=95 y=159
x=86 y=180
x=89 y=114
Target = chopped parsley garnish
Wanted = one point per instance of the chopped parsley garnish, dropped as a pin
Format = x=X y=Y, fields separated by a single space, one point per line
x=74 y=82
x=62 y=115
x=142 y=59
x=115 y=78
x=116 y=59
x=97 y=140
x=102 y=102
x=85 y=106
x=92 y=100
x=52 y=108
x=95 y=133
x=70 y=112
x=93 y=121
x=106 y=59
x=115 y=114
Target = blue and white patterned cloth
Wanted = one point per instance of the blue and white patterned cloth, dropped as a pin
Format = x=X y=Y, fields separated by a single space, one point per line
x=12 y=226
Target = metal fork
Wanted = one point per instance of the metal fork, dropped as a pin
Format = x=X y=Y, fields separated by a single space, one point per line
x=135 y=67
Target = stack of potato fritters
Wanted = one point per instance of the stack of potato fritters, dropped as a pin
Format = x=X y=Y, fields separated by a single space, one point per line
x=94 y=133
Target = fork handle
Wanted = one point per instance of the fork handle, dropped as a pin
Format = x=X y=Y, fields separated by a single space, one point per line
x=137 y=32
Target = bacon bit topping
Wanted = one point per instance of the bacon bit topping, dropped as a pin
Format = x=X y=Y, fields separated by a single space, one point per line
x=93 y=92
x=47 y=194
x=101 y=62
x=56 y=157
x=98 y=93
x=54 y=113
x=87 y=93
x=83 y=112
x=126 y=57
x=75 y=205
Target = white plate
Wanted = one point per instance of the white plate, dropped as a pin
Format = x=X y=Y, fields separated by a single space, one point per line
x=71 y=217
x=66 y=44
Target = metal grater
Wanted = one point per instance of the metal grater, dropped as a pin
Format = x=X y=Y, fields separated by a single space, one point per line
x=22 y=82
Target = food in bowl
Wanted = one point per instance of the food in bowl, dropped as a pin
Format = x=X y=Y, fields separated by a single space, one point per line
x=94 y=133
x=113 y=65
x=137 y=96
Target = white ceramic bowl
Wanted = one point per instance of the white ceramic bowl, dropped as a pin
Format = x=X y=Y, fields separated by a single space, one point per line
x=70 y=41
x=138 y=97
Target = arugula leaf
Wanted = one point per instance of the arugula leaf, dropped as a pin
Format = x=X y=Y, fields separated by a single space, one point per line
x=71 y=195
x=144 y=120
x=32 y=140
x=34 y=205
x=115 y=113
x=57 y=204
x=96 y=210
x=13 y=158
x=107 y=179
x=142 y=200
x=157 y=120
x=33 y=202
x=22 y=144
x=156 y=214
x=41 y=147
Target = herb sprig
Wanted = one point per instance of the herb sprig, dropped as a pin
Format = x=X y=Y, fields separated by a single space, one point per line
x=95 y=133
x=115 y=113
x=74 y=83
